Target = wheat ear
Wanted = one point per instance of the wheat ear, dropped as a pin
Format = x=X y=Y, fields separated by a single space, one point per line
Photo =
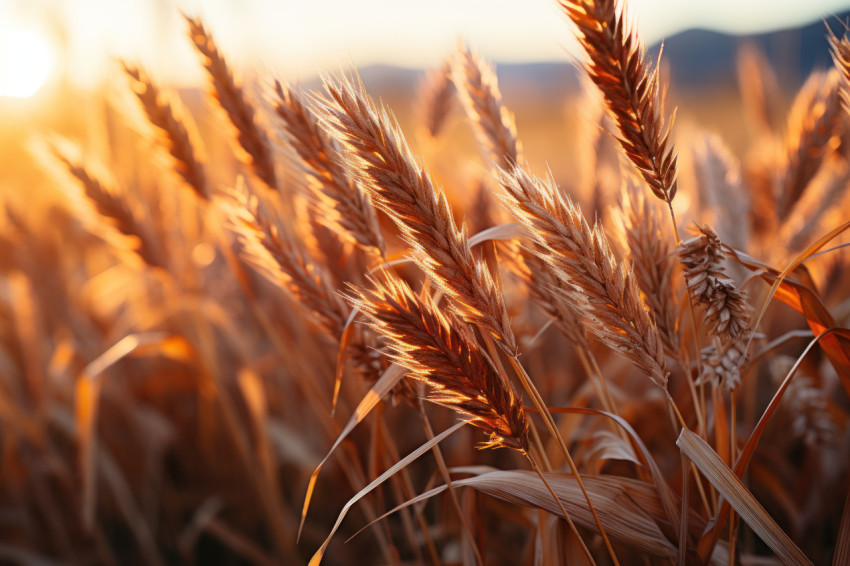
x=760 y=92
x=435 y=99
x=478 y=90
x=272 y=252
x=726 y=311
x=106 y=200
x=230 y=94
x=814 y=124
x=650 y=246
x=440 y=349
x=616 y=64
x=602 y=291
x=343 y=205
x=172 y=133
x=381 y=160
x=840 y=51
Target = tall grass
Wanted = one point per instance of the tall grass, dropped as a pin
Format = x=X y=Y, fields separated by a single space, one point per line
x=215 y=364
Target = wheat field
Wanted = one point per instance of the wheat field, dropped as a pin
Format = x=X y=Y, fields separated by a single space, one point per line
x=274 y=327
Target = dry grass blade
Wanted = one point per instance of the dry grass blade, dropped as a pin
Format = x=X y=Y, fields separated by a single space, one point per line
x=441 y=350
x=317 y=557
x=622 y=504
x=379 y=391
x=343 y=205
x=615 y=63
x=230 y=94
x=479 y=92
x=603 y=293
x=170 y=126
x=381 y=159
x=728 y=484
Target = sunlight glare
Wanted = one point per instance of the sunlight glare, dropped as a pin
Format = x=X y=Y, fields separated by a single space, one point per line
x=26 y=61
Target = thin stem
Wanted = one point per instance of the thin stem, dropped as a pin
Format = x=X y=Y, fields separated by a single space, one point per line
x=553 y=430
x=557 y=499
x=444 y=471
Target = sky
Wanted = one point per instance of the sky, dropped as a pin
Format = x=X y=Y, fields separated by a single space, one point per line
x=298 y=38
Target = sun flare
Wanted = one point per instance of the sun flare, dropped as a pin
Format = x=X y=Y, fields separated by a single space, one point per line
x=26 y=61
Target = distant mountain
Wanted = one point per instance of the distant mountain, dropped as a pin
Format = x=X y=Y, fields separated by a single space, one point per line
x=698 y=57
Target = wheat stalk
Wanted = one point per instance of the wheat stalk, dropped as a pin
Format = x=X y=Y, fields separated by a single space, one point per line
x=172 y=133
x=601 y=291
x=615 y=63
x=726 y=311
x=440 y=349
x=343 y=205
x=381 y=160
x=272 y=252
x=232 y=98
x=435 y=100
x=650 y=247
x=110 y=205
x=759 y=89
x=478 y=90
x=814 y=123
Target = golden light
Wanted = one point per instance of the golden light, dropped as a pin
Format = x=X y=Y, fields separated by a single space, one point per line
x=26 y=61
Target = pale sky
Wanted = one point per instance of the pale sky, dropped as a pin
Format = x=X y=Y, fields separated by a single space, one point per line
x=297 y=38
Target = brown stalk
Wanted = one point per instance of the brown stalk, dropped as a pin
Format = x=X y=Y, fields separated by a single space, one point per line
x=616 y=64
x=343 y=205
x=602 y=292
x=170 y=128
x=230 y=94
x=398 y=185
